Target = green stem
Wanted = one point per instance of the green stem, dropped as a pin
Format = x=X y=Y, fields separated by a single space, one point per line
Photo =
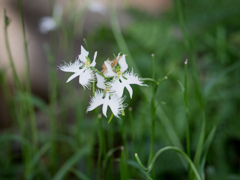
x=153 y=113
x=18 y=109
x=53 y=99
x=189 y=45
x=111 y=117
x=200 y=142
x=187 y=117
x=187 y=112
x=27 y=78
x=102 y=149
x=132 y=127
x=123 y=164
x=159 y=152
x=14 y=72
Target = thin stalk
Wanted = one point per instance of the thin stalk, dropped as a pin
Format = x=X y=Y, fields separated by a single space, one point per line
x=124 y=170
x=102 y=149
x=27 y=78
x=14 y=72
x=123 y=164
x=159 y=152
x=200 y=142
x=18 y=109
x=153 y=113
x=187 y=112
x=132 y=128
x=111 y=117
x=189 y=45
x=124 y=135
x=187 y=118
x=53 y=99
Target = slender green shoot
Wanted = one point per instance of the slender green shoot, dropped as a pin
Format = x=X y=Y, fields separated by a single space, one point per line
x=159 y=152
x=111 y=117
x=14 y=72
x=27 y=79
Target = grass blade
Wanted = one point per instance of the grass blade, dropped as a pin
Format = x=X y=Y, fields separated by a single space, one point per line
x=71 y=162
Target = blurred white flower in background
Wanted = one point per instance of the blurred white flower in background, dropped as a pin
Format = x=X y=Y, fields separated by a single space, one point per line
x=47 y=24
x=50 y=23
x=97 y=7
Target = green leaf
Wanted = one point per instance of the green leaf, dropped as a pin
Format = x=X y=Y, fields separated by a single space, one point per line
x=79 y=174
x=71 y=162
x=181 y=85
x=205 y=150
x=37 y=157
x=159 y=152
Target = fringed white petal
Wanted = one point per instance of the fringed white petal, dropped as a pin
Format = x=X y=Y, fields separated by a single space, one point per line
x=73 y=76
x=109 y=71
x=93 y=64
x=71 y=67
x=113 y=101
x=116 y=105
x=117 y=87
x=122 y=63
x=105 y=104
x=100 y=82
x=96 y=101
x=86 y=77
x=118 y=84
x=133 y=78
x=128 y=87
x=83 y=55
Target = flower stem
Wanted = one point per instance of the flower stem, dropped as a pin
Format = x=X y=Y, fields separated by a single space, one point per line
x=187 y=112
x=14 y=72
x=27 y=78
x=159 y=152
x=189 y=45
x=153 y=113
x=111 y=117
x=18 y=110
x=187 y=118
x=102 y=150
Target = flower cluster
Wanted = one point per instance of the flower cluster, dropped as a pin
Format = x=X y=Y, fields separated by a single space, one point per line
x=111 y=81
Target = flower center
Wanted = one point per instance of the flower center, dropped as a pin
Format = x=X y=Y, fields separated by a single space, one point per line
x=119 y=73
x=107 y=89
x=87 y=63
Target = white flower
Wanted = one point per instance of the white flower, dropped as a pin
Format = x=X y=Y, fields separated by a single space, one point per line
x=121 y=78
x=47 y=24
x=106 y=98
x=97 y=7
x=124 y=80
x=81 y=68
x=50 y=23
